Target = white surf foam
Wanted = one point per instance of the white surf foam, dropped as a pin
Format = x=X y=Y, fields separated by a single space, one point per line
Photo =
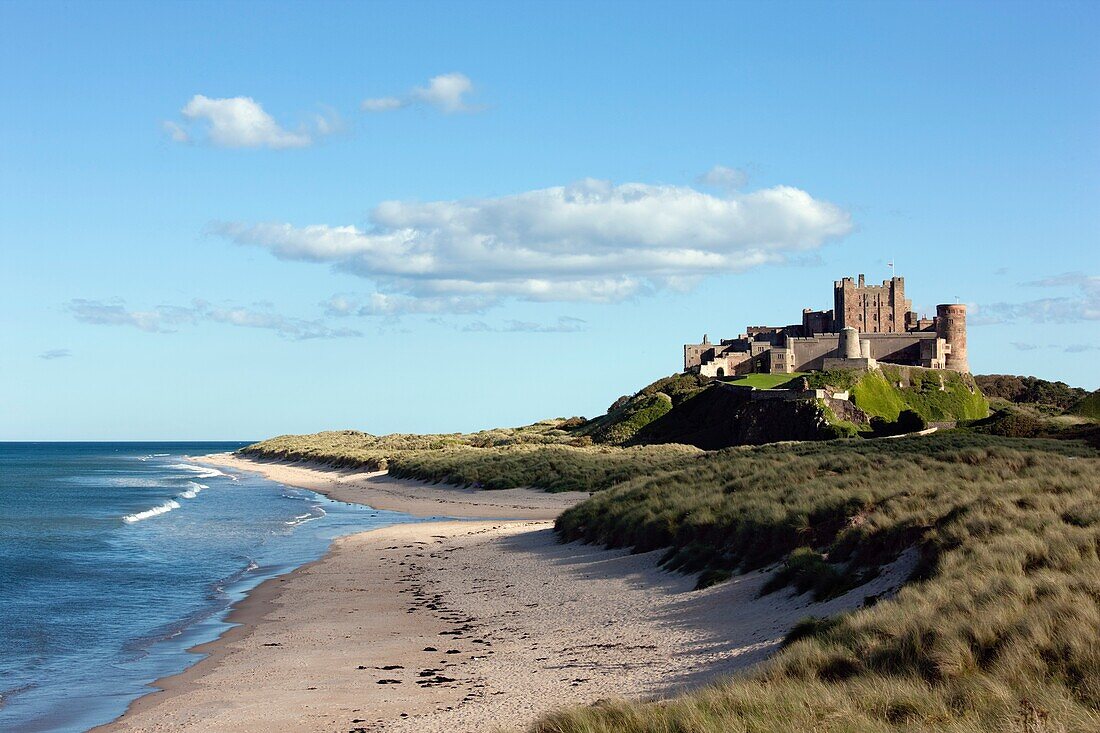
x=155 y=511
x=303 y=518
x=202 y=471
x=193 y=489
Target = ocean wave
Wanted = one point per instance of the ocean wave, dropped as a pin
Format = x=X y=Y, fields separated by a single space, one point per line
x=202 y=471
x=303 y=518
x=193 y=489
x=155 y=511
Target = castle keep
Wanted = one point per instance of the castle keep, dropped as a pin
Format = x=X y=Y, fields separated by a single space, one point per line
x=867 y=324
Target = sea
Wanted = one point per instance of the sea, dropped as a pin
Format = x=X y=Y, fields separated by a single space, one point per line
x=116 y=558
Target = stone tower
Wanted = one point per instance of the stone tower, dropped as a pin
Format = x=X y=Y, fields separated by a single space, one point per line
x=849 y=346
x=951 y=327
x=870 y=308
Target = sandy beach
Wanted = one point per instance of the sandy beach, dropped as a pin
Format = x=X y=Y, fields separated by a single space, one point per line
x=381 y=491
x=466 y=625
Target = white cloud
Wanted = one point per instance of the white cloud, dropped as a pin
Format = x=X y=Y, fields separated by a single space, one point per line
x=1082 y=305
x=239 y=122
x=51 y=354
x=381 y=304
x=564 y=324
x=590 y=241
x=446 y=92
x=722 y=177
x=177 y=132
x=168 y=318
x=383 y=104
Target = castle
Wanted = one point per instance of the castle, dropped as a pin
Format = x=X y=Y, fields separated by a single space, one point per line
x=868 y=324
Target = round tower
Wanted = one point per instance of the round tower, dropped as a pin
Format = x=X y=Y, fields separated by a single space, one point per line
x=951 y=327
x=848 y=348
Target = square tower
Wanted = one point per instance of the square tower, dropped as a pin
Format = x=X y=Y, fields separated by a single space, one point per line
x=870 y=308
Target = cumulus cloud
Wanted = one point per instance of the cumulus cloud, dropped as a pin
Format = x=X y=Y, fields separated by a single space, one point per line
x=241 y=122
x=169 y=318
x=1082 y=304
x=591 y=241
x=446 y=92
x=722 y=177
x=55 y=354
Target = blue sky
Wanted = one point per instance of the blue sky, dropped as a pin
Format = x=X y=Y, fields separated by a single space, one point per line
x=236 y=220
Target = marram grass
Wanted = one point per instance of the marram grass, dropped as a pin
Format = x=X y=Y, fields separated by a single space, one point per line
x=1000 y=630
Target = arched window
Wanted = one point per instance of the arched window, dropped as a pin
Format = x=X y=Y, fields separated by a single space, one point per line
x=721 y=372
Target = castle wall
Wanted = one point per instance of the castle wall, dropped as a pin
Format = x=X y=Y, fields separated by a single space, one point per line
x=888 y=331
x=810 y=353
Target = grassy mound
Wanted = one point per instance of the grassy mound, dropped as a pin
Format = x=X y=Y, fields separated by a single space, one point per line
x=541 y=456
x=1088 y=406
x=551 y=468
x=720 y=417
x=630 y=413
x=1000 y=631
x=765 y=381
x=936 y=395
x=353 y=449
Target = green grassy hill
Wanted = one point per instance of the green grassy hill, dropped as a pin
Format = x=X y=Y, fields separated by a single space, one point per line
x=630 y=413
x=1088 y=406
x=935 y=395
x=999 y=629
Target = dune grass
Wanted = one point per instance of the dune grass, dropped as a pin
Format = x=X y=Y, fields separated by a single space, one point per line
x=543 y=456
x=999 y=630
x=355 y=449
x=551 y=468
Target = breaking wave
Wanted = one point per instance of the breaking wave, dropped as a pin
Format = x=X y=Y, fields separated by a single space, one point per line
x=201 y=471
x=193 y=489
x=303 y=518
x=155 y=511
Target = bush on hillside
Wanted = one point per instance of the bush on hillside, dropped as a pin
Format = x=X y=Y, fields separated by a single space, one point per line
x=1029 y=390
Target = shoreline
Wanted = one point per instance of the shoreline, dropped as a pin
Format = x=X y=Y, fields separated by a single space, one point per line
x=462 y=625
x=373 y=489
x=378 y=490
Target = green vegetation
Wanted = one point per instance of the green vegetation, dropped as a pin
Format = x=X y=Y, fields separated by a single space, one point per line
x=999 y=630
x=1029 y=390
x=1088 y=406
x=765 y=381
x=629 y=414
x=935 y=395
x=551 y=468
x=353 y=449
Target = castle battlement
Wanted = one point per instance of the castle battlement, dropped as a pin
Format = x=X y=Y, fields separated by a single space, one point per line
x=868 y=323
